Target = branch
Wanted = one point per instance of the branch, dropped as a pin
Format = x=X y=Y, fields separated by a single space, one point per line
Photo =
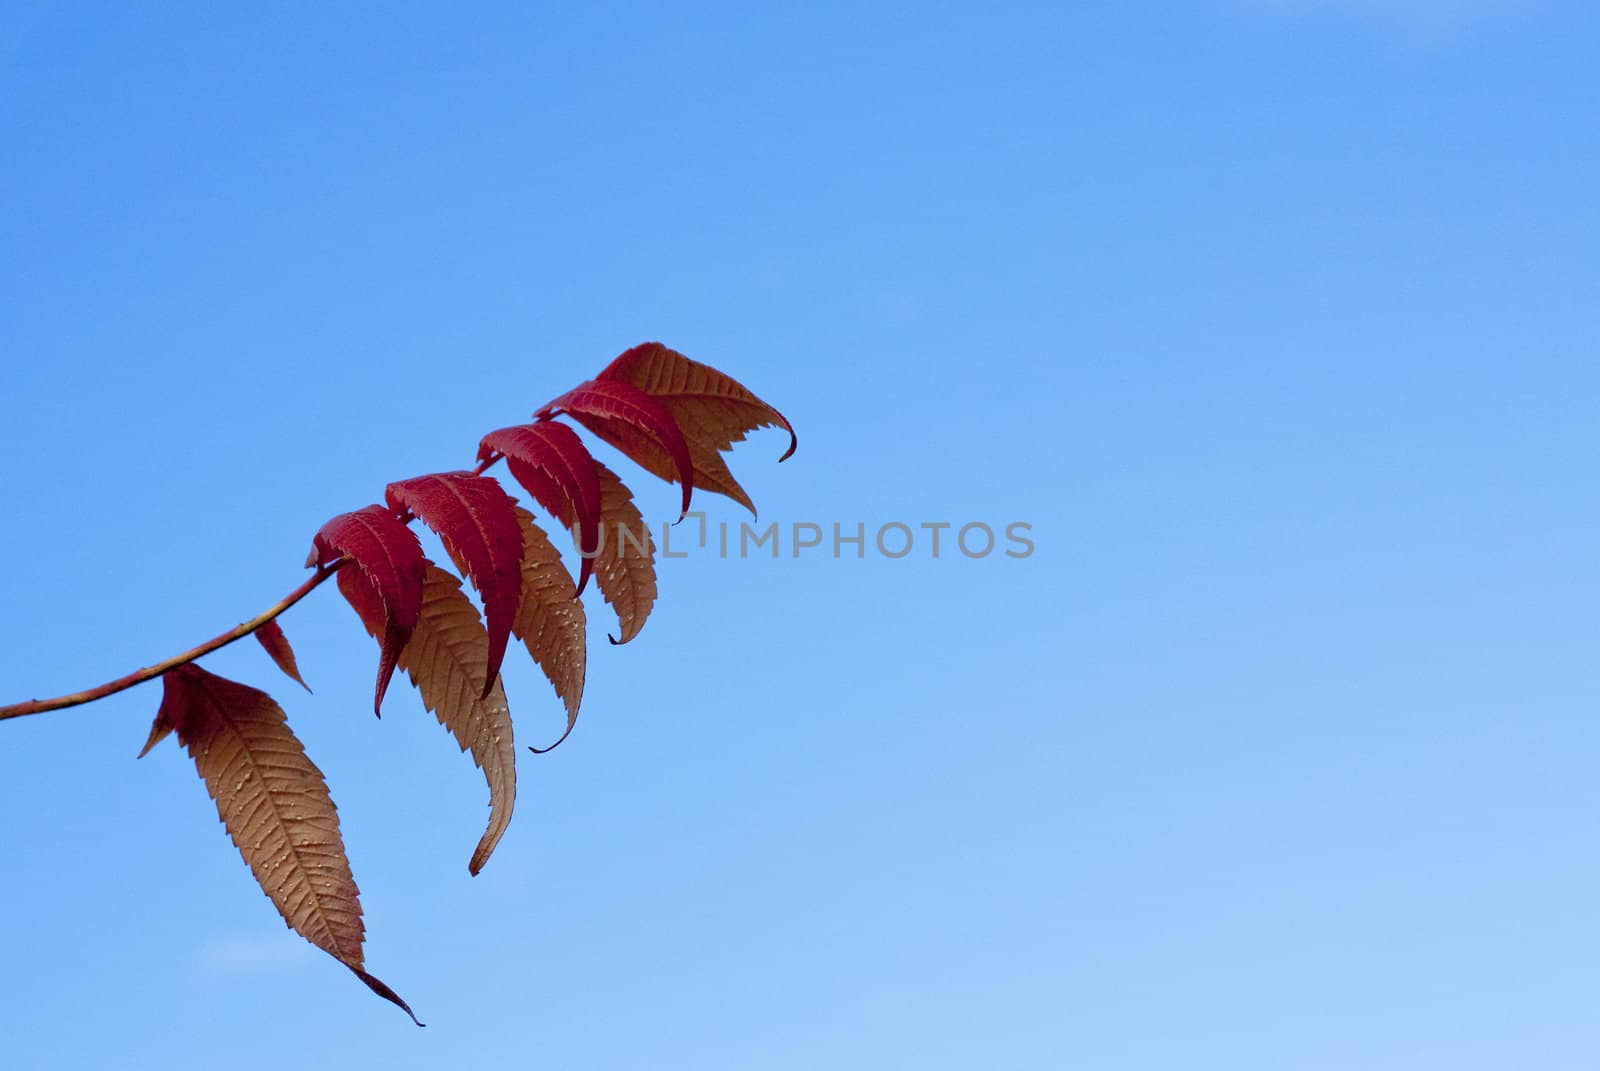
x=139 y=676
x=238 y=632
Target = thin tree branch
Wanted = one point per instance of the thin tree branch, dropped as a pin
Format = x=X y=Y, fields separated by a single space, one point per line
x=139 y=676
x=238 y=632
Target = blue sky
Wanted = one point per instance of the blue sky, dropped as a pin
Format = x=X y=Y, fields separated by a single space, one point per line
x=1274 y=320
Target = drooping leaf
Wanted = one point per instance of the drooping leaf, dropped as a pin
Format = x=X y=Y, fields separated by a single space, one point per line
x=474 y=519
x=713 y=411
x=446 y=659
x=550 y=619
x=625 y=565
x=275 y=805
x=551 y=462
x=632 y=421
x=276 y=644
x=387 y=553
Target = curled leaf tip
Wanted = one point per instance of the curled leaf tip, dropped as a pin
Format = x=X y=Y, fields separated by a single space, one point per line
x=546 y=750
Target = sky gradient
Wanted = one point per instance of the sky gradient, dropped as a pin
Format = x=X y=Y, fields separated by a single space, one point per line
x=1274 y=320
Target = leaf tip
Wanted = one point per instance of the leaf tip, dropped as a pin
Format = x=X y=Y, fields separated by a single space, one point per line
x=571 y=721
x=377 y=986
x=158 y=733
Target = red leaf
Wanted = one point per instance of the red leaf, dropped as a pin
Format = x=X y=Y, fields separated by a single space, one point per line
x=713 y=411
x=274 y=803
x=389 y=556
x=551 y=461
x=633 y=422
x=475 y=520
x=447 y=656
x=276 y=644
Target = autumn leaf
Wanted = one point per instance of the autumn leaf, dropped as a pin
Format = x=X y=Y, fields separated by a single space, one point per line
x=633 y=422
x=713 y=410
x=275 y=805
x=388 y=555
x=550 y=620
x=551 y=462
x=475 y=522
x=625 y=565
x=446 y=659
x=276 y=644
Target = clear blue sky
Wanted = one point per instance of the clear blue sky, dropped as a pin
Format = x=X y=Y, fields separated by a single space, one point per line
x=1276 y=321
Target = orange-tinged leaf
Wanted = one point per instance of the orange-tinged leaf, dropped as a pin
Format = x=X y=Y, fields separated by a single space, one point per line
x=390 y=558
x=625 y=565
x=275 y=805
x=551 y=462
x=713 y=411
x=446 y=659
x=474 y=519
x=276 y=644
x=633 y=422
x=550 y=620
